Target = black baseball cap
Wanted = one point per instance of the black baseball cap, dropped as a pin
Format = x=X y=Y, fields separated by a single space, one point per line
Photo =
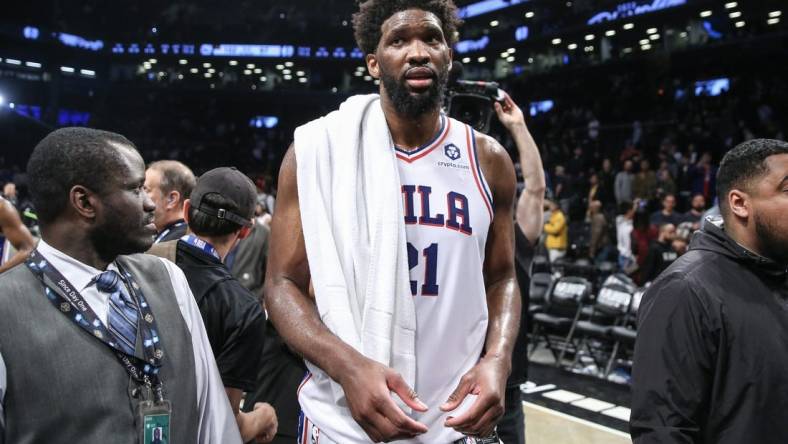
x=232 y=185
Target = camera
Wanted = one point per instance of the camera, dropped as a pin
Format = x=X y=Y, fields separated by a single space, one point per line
x=471 y=102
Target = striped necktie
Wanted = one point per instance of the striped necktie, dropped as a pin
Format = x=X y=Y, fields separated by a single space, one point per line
x=123 y=312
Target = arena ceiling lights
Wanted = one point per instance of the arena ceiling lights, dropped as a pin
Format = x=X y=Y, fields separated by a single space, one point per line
x=191 y=49
x=487 y=6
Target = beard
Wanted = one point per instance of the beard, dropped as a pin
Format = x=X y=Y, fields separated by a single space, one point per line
x=411 y=104
x=120 y=236
x=772 y=239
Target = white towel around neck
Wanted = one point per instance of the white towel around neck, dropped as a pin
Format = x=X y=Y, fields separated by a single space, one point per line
x=350 y=200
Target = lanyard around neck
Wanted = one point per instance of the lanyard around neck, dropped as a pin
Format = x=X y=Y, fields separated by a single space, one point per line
x=200 y=244
x=68 y=301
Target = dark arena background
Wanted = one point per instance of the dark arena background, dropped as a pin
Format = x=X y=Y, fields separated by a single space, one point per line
x=665 y=87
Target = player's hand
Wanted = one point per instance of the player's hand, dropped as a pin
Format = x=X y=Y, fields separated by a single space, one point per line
x=265 y=421
x=368 y=386
x=510 y=115
x=486 y=380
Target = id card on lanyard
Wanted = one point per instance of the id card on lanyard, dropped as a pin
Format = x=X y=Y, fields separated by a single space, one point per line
x=154 y=409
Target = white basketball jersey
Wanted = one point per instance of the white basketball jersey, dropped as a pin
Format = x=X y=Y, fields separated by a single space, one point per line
x=447 y=208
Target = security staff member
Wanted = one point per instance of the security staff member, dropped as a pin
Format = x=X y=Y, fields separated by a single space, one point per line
x=710 y=355
x=100 y=343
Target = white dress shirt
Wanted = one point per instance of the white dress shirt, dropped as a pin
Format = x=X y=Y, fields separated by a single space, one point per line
x=216 y=423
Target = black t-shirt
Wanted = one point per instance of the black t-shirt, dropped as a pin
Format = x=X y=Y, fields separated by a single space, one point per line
x=280 y=373
x=523 y=256
x=234 y=319
x=660 y=256
x=659 y=218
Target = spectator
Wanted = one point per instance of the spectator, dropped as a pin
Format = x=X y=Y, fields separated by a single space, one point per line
x=665 y=183
x=660 y=254
x=607 y=178
x=599 y=246
x=577 y=164
x=630 y=152
x=626 y=260
x=265 y=195
x=644 y=186
x=557 y=232
x=703 y=177
x=697 y=208
x=593 y=188
x=561 y=184
x=643 y=233
x=668 y=214
x=680 y=245
x=623 y=184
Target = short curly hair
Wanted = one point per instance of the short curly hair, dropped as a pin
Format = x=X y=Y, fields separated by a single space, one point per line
x=368 y=21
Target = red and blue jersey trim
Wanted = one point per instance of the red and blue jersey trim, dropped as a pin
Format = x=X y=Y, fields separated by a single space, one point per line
x=307 y=377
x=481 y=184
x=418 y=153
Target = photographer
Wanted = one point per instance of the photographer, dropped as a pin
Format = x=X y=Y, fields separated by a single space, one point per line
x=528 y=214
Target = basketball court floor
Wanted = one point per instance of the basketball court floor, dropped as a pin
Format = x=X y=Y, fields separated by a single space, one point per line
x=567 y=408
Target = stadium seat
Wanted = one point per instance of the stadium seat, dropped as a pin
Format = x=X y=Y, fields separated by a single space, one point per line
x=609 y=310
x=540 y=286
x=624 y=335
x=556 y=324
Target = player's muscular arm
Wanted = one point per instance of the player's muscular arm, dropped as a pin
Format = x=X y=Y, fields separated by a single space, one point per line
x=488 y=378
x=16 y=232
x=367 y=384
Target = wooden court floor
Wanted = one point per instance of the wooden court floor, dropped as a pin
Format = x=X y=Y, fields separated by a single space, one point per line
x=546 y=426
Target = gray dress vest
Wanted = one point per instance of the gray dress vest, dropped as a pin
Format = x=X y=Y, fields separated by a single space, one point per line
x=65 y=386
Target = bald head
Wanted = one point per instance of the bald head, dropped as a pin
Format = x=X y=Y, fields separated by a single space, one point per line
x=667 y=232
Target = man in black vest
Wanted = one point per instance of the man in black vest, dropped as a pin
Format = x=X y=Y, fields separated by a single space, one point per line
x=100 y=344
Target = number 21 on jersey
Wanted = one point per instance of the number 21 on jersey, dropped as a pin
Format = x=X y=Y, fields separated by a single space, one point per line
x=430 y=285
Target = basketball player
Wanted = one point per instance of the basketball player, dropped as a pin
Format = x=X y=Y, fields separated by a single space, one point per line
x=457 y=193
x=13 y=232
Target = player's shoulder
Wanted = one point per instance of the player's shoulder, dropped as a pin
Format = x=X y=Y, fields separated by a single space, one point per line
x=490 y=150
x=497 y=165
x=7 y=209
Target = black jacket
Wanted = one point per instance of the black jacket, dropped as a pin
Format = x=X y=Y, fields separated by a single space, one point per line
x=711 y=358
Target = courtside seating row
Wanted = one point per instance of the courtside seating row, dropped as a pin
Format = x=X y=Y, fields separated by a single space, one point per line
x=572 y=314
